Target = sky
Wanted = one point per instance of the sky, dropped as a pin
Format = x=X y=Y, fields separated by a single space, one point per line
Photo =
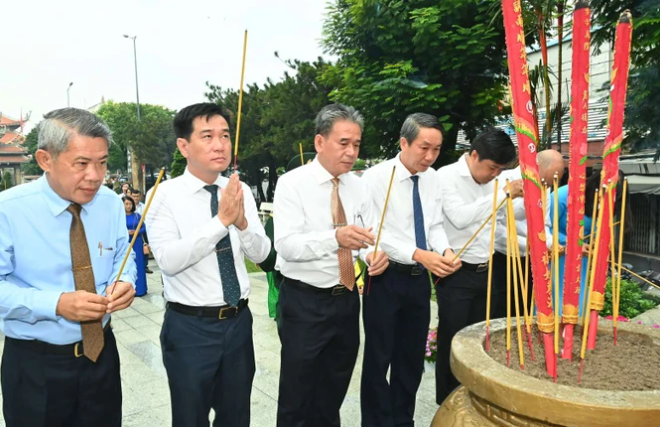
x=181 y=44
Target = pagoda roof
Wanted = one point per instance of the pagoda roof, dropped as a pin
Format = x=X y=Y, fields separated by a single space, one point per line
x=8 y=121
x=11 y=137
x=5 y=149
x=13 y=159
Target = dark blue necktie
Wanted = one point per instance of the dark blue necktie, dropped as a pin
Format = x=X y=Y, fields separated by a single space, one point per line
x=418 y=215
x=230 y=287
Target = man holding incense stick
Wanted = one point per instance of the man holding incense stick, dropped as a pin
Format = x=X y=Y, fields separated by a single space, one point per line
x=397 y=310
x=201 y=227
x=550 y=162
x=323 y=216
x=467 y=189
x=63 y=240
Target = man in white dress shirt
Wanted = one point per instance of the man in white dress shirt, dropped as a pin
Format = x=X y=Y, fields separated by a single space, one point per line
x=467 y=201
x=550 y=163
x=201 y=227
x=397 y=304
x=323 y=216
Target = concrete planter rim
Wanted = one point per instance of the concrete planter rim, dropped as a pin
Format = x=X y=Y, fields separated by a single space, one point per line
x=543 y=400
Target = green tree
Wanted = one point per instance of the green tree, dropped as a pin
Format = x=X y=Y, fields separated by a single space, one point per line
x=399 y=57
x=643 y=100
x=7 y=181
x=152 y=138
x=30 y=144
x=275 y=120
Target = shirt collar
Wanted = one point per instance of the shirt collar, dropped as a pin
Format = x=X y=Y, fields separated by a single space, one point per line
x=195 y=184
x=321 y=174
x=402 y=172
x=463 y=168
x=55 y=202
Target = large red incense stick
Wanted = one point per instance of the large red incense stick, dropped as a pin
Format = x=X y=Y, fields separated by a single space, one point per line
x=577 y=171
x=611 y=151
x=527 y=144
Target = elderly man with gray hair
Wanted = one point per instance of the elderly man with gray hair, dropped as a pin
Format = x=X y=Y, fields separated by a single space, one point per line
x=63 y=238
x=323 y=217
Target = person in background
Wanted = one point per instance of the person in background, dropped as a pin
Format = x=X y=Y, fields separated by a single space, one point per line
x=550 y=162
x=592 y=185
x=132 y=222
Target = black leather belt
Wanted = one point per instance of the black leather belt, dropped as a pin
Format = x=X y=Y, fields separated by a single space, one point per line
x=334 y=291
x=76 y=349
x=479 y=268
x=411 y=269
x=221 y=312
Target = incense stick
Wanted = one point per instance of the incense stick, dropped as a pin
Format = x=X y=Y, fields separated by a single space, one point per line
x=382 y=221
x=135 y=235
x=617 y=291
x=240 y=102
x=490 y=265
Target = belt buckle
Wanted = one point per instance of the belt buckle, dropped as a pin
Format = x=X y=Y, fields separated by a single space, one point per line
x=482 y=267
x=338 y=290
x=416 y=270
x=76 y=350
x=221 y=315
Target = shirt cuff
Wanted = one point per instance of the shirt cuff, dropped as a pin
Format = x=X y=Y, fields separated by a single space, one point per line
x=44 y=304
x=215 y=229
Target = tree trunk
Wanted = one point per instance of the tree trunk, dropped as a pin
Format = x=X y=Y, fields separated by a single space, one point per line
x=137 y=175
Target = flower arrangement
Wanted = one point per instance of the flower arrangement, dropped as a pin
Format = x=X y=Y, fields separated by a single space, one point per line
x=431 y=345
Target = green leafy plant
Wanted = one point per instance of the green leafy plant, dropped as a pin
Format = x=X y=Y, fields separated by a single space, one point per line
x=633 y=301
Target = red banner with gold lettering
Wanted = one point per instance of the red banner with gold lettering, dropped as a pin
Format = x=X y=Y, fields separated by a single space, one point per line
x=523 y=117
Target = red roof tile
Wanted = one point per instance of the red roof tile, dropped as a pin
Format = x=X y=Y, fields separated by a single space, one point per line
x=13 y=159
x=11 y=149
x=4 y=120
x=10 y=137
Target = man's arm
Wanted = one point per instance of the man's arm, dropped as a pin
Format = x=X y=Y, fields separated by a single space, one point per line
x=26 y=304
x=254 y=242
x=291 y=242
x=462 y=214
x=175 y=253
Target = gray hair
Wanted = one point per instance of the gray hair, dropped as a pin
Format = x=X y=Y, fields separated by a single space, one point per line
x=330 y=114
x=416 y=121
x=59 y=126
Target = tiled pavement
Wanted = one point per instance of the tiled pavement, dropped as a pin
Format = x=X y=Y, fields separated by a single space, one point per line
x=144 y=381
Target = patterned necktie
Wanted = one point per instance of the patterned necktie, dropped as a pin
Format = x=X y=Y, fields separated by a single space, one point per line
x=231 y=289
x=83 y=277
x=346 y=270
x=418 y=215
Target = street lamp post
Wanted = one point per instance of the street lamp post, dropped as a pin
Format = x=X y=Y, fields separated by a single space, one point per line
x=132 y=163
x=68 y=99
x=137 y=91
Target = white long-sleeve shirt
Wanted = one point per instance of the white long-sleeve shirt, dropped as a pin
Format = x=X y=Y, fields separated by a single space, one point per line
x=466 y=205
x=305 y=237
x=519 y=215
x=183 y=234
x=398 y=235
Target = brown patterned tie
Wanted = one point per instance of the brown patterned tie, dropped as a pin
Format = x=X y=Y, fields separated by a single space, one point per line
x=83 y=277
x=346 y=270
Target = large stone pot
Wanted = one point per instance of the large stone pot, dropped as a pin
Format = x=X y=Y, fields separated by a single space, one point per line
x=494 y=395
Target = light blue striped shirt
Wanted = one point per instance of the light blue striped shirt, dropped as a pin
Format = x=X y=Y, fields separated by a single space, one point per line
x=35 y=257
